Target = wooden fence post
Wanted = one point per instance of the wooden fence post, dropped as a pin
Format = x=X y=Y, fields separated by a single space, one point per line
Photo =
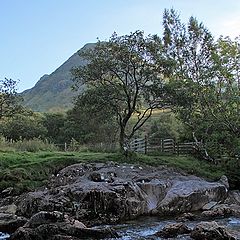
x=65 y=147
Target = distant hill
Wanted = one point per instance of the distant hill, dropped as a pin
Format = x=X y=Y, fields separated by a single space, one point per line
x=53 y=92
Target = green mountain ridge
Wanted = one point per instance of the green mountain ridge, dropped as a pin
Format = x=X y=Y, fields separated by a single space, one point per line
x=53 y=92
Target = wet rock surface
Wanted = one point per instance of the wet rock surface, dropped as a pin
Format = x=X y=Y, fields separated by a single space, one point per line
x=173 y=230
x=9 y=221
x=88 y=194
x=98 y=193
x=55 y=225
x=209 y=231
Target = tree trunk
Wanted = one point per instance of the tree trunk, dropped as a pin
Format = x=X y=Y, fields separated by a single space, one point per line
x=124 y=142
x=201 y=149
x=121 y=140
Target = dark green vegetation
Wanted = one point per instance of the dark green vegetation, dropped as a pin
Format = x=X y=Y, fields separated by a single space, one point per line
x=53 y=92
x=9 y=100
x=186 y=71
x=204 y=85
x=127 y=76
x=25 y=170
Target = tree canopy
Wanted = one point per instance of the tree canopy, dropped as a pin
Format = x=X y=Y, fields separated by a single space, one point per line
x=9 y=100
x=130 y=71
x=204 y=84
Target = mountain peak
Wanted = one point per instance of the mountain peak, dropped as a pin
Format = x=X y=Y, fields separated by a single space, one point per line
x=54 y=91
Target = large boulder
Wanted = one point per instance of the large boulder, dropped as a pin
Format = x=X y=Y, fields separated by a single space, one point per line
x=191 y=195
x=108 y=192
x=210 y=231
x=56 y=225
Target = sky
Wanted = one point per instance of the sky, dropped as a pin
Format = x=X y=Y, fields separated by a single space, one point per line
x=37 y=36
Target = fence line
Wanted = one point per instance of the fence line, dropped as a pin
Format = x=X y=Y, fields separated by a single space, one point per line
x=144 y=145
x=140 y=145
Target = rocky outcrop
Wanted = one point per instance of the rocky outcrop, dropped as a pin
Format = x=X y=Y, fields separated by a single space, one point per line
x=173 y=230
x=55 y=225
x=9 y=221
x=233 y=197
x=222 y=210
x=98 y=193
x=210 y=231
x=191 y=195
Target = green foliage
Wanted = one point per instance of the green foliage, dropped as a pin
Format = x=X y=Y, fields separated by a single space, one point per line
x=54 y=123
x=204 y=84
x=91 y=120
x=9 y=100
x=167 y=126
x=129 y=74
x=22 y=126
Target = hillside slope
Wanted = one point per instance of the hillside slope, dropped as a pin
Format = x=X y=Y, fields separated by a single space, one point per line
x=53 y=92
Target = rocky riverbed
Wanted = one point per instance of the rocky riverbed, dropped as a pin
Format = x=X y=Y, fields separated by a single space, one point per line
x=84 y=195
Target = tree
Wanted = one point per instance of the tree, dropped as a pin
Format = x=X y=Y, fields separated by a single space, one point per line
x=91 y=120
x=130 y=73
x=23 y=126
x=204 y=84
x=167 y=126
x=9 y=100
x=54 y=122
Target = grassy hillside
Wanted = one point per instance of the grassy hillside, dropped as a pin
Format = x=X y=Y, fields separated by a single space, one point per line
x=26 y=171
x=54 y=91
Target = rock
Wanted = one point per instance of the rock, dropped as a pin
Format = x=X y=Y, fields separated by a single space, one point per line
x=107 y=193
x=224 y=181
x=102 y=177
x=173 y=230
x=209 y=205
x=44 y=217
x=56 y=225
x=63 y=237
x=233 y=197
x=191 y=195
x=210 y=231
x=222 y=210
x=11 y=209
x=7 y=192
x=186 y=217
x=10 y=222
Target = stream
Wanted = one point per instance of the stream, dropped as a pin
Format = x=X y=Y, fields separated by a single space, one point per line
x=146 y=227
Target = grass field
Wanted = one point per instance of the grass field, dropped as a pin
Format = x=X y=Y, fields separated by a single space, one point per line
x=25 y=171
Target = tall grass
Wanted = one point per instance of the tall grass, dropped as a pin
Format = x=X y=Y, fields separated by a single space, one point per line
x=33 y=145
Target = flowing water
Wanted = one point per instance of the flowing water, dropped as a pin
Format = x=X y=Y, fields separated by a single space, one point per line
x=146 y=227
x=4 y=236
